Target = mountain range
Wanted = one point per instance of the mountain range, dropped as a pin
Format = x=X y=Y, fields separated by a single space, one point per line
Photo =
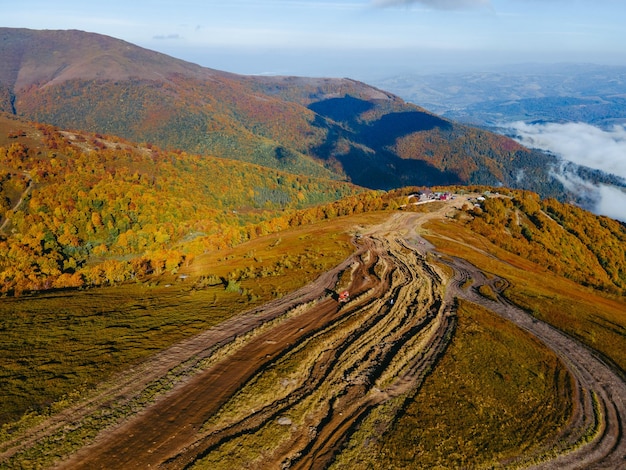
x=323 y=127
x=589 y=93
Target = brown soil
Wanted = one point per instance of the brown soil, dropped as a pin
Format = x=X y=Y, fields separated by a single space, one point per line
x=381 y=344
x=169 y=433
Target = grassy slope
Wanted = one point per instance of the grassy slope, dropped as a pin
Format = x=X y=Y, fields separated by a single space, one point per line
x=597 y=319
x=493 y=393
x=466 y=411
x=58 y=343
x=491 y=396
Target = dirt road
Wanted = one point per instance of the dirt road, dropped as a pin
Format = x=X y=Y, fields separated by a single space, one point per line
x=595 y=436
x=16 y=206
x=396 y=304
x=600 y=413
x=285 y=385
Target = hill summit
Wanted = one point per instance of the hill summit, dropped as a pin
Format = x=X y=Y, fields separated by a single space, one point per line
x=324 y=127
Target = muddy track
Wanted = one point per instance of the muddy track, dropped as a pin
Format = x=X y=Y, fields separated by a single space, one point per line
x=310 y=370
x=397 y=304
x=595 y=436
x=184 y=359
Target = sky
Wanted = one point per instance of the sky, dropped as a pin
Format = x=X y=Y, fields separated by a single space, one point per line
x=361 y=39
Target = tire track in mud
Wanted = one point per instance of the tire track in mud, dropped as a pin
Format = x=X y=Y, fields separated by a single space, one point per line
x=150 y=438
x=358 y=383
x=397 y=306
x=594 y=438
x=187 y=356
x=359 y=355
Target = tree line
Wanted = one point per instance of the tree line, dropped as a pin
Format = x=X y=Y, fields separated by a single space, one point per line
x=103 y=211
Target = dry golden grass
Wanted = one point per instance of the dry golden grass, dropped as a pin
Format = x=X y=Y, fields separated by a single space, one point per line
x=491 y=397
x=63 y=343
x=496 y=391
x=597 y=319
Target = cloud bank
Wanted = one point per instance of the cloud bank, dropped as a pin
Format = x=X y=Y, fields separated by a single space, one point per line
x=578 y=142
x=612 y=202
x=588 y=146
x=603 y=198
x=436 y=4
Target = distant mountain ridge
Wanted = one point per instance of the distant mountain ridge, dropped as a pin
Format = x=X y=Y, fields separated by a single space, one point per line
x=595 y=94
x=323 y=127
x=45 y=58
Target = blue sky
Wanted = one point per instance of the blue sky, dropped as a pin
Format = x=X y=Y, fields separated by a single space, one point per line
x=354 y=38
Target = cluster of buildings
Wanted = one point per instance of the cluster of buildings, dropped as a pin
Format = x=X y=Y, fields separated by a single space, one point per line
x=427 y=195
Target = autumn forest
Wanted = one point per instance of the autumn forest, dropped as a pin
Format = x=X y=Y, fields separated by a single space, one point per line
x=89 y=210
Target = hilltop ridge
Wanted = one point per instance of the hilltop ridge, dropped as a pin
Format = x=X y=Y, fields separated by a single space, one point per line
x=48 y=57
x=326 y=127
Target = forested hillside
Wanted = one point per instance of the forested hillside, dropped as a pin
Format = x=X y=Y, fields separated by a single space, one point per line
x=322 y=127
x=71 y=200
x=81 y=209
x=567 y=240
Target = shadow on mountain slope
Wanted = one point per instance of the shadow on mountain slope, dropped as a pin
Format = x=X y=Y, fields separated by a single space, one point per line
x=392 y=126
x=384 y=170
x=346 y=110
x=362 y=146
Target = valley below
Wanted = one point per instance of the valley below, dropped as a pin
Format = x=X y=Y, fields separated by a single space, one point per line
x=309 y=381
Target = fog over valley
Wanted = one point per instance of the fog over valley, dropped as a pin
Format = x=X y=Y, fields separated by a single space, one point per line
x=587 y=146
x=575 y=111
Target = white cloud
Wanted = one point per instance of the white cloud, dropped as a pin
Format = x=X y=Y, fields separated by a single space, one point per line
x=599 y=198
x=612 y=202
x=437 y=4
x=584 y=145
x=580 y=143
